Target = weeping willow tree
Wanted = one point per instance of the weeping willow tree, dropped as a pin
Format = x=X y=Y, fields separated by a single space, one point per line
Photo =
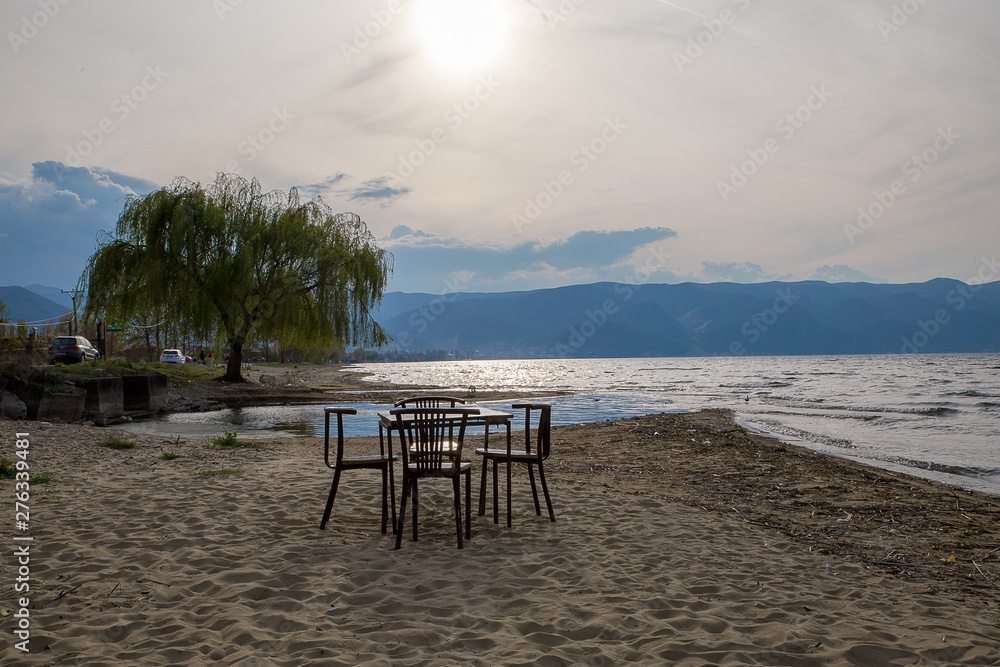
x=232 y=259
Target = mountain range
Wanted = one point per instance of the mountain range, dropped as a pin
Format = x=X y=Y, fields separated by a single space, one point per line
x=697 y=319
x=687 y=319
x=36 y=303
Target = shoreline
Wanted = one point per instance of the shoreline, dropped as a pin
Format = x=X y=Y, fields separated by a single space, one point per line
x=312 y=383
x=864 y=511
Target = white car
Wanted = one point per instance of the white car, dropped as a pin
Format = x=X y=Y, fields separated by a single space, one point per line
x=172 y=357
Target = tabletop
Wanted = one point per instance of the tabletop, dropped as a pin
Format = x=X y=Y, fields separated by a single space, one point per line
x=487 y=416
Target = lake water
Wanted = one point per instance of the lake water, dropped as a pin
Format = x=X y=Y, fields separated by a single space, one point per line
x=937 y=416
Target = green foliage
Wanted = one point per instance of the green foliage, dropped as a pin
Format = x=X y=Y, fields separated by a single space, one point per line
x=246 y=264
x=228 y=440
x=114 y=442
x=9 y=471
x=220 y=472
x=169 y=456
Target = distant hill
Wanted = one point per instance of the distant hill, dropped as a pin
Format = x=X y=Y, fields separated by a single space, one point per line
x=692 y=319
x=52 y=294
x=24 y=303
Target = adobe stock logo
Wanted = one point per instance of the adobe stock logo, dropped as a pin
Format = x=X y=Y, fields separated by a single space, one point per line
x=122 y=108
x=899 y=17
x=754 y=327
x=581 y=158
x=223 y=7
x=258 y=142
x=958 y=298
x=913 y=169
x=793 y=121
x=714 y=29
x=454 y=117
x=594 y=319
x=372 y=30
x=31 y=25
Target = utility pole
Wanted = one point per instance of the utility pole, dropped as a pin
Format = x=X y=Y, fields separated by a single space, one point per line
x=74 y=293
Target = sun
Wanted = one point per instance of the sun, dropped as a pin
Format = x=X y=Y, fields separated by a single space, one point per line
x=463 y=35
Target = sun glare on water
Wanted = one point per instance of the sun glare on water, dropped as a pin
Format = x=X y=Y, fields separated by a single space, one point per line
x=463 y=35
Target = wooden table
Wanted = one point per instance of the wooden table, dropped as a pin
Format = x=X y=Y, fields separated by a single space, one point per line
x=487 y=417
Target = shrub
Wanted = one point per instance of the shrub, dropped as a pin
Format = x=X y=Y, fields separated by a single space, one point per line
x=114 y=442
x=228 y=441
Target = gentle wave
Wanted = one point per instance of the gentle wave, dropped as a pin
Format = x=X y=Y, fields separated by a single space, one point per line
x=858 y=451
x=815 y=405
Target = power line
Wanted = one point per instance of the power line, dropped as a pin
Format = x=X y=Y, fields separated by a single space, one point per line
x=74 y=293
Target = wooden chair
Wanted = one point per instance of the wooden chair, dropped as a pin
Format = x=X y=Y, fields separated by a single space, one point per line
x=533 y=455
x=426 y=402
x=429 y=402
x=431 y=444
x=383 y=461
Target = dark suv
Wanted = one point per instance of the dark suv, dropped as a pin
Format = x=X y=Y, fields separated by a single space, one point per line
x=72 y=350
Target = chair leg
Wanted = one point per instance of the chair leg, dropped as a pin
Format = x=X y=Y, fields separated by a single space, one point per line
x=456 y=484
x=496 y=492
x=534 y=491
x=545 y=490
x=508 y=492
x=413 y=481
x=468 y=505
x=329 y=500
x=392 y=492
x=385 y=499
x=482 y=490
x=402 y=512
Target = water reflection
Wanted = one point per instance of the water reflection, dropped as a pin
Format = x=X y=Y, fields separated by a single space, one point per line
x=268 y=421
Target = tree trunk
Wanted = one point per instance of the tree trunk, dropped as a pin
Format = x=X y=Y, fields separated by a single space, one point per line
x=235 y=364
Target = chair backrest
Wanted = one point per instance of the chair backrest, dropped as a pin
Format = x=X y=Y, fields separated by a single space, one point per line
x=543 y=432
x=340 y=412
x=429 y=402
x=431 y=438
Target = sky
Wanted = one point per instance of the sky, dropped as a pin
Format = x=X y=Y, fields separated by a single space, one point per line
x=520 y=144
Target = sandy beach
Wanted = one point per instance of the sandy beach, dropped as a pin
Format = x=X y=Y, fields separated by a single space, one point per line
x=680 y=539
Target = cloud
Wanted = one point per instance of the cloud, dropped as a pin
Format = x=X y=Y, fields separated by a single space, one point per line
x=378 y=190
x=402 y=231
x=428 y=262
x=842 y=273
x=745 y=272
x=323 y=187
x=52 y=217
x=375 y=190
x=600 y=247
